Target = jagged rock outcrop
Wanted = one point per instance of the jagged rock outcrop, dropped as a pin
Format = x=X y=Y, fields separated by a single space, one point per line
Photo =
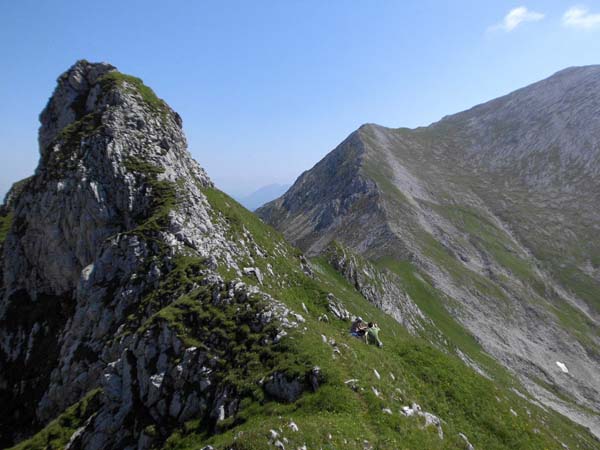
x=114 y=211
x=334 y=195
x=492 y=206
x=378 y=287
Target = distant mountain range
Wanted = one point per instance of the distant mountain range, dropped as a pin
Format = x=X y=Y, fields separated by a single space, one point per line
x=496 y=210
x=262 y=195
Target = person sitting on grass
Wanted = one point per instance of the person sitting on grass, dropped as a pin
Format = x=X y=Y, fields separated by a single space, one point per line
x=373 y=334
x=358 y=328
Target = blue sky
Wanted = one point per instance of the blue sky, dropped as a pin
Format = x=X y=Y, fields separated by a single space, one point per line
x=267 y=88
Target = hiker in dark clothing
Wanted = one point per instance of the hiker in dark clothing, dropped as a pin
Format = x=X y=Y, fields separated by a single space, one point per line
x=373 y=334
x=358 y=328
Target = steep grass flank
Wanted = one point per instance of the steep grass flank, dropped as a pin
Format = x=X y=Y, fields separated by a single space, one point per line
x=5 y=223
x=338 y=416
x=344 y=414
x=57 y=433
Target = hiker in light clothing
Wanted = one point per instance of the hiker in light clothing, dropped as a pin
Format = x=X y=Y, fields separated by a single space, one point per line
x=373 y=334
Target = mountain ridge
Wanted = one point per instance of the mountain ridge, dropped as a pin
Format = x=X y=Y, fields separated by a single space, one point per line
x=492 y=203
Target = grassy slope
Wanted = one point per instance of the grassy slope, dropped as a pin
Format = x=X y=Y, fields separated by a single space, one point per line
x=441 y=384
x=57 y=433
x=433 y=303
x=336 y=416
x=5 y=223
x=561 y=237
x=499 y=247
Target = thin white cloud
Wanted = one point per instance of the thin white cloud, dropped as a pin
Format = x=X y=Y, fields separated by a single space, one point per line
x=580 y=17
x=516 y=17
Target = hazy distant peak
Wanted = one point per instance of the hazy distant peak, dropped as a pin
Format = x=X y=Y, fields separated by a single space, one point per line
x=263 y=195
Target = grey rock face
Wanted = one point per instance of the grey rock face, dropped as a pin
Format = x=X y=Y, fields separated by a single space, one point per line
x=378 y=287
x=337 y=308
x=70 y=99
x=115 y=201
x=493 y=206
x=284 y=389
x=331 y=196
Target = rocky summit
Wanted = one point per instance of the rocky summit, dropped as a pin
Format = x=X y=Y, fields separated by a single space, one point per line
x=114 y=211
x=142 y=308
x=494 y=211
